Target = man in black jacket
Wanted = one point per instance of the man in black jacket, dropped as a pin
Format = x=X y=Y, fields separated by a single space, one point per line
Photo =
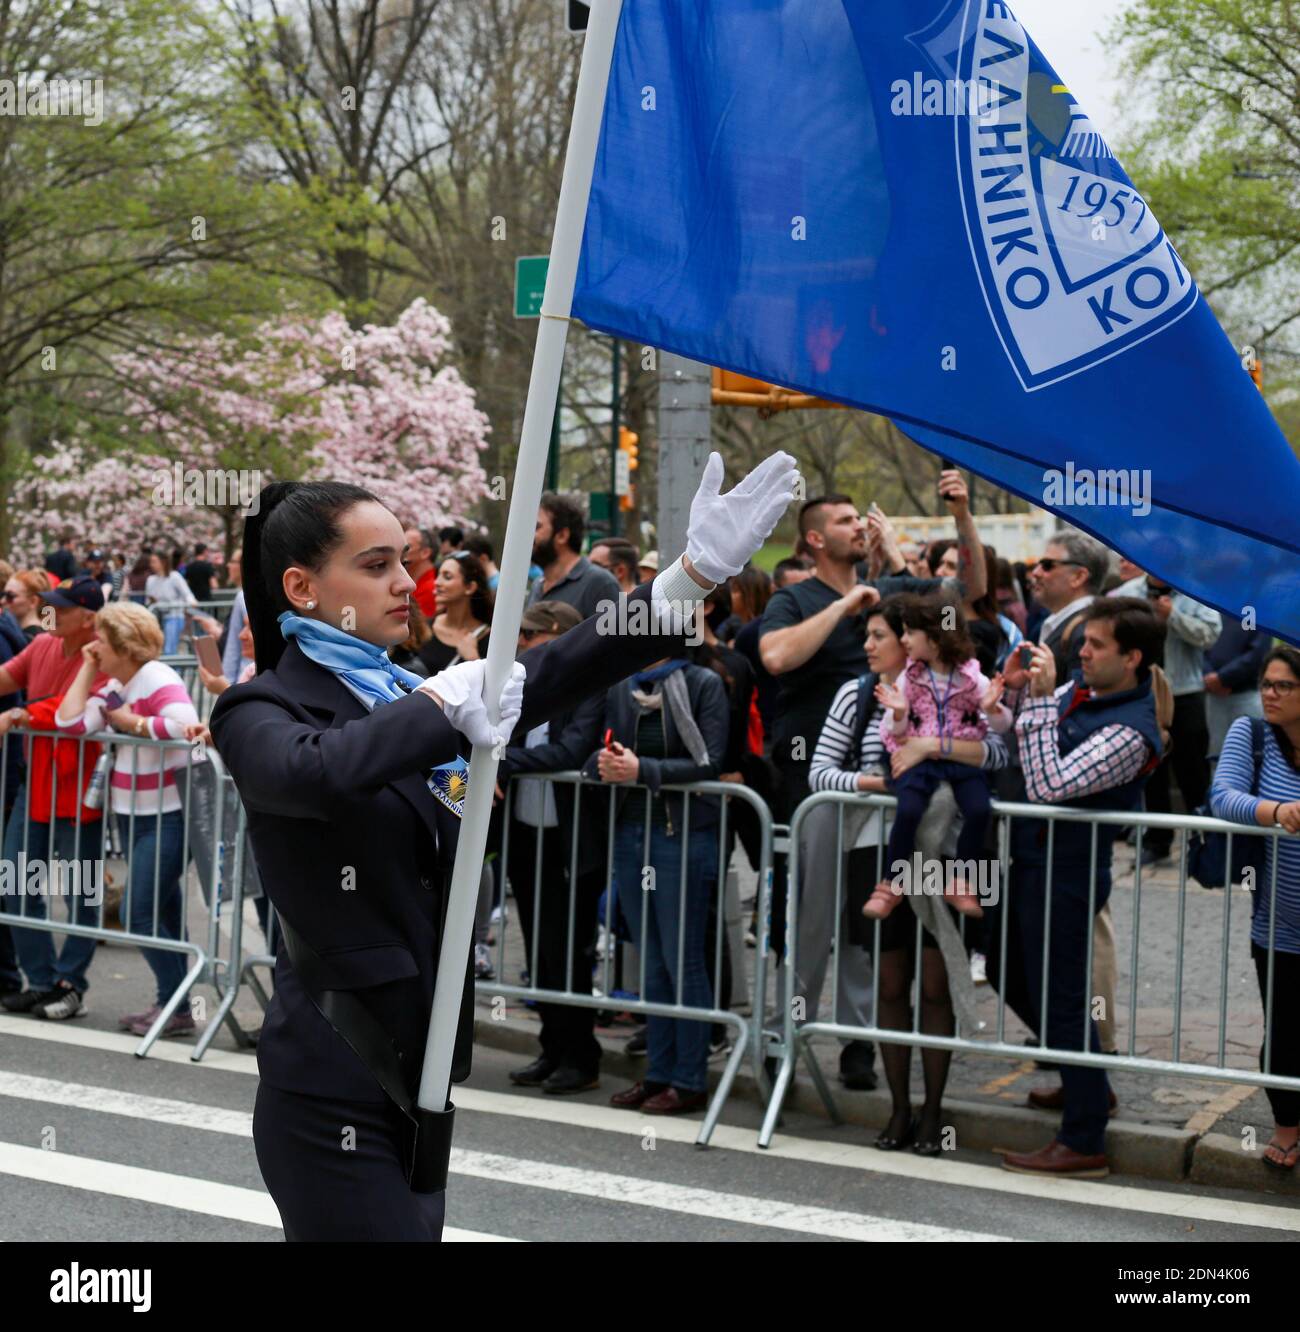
x=1232 y=668
x=570 y=1058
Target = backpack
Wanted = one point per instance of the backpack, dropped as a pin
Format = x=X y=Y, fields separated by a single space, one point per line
x=1164 y=700
x=866 y=707
x=1207 y=853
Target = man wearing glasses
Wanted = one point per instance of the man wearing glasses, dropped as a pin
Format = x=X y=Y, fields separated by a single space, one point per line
x=1070 y=574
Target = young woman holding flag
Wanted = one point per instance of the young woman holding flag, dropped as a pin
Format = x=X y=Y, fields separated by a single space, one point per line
x=351 y=773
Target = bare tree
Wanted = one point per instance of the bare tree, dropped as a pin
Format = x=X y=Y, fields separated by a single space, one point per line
x=337 y=92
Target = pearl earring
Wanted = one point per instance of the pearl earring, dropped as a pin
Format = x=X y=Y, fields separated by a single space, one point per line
x=311 y=605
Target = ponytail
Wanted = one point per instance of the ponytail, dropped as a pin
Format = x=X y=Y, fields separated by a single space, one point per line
x=296 y=522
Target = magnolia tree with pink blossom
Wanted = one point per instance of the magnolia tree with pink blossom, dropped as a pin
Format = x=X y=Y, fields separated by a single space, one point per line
x=210 y=421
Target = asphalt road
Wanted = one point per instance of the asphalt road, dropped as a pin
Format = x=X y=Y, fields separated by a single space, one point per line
x=96 y=1144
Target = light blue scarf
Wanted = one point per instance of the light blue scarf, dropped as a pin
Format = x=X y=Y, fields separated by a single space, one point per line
x=367 y=669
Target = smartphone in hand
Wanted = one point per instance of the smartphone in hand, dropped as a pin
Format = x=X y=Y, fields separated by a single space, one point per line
x=205 y=649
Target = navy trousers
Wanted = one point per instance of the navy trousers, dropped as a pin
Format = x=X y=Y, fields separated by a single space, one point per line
x=970 y=788
x=335 y=1170
x=1086 y=1090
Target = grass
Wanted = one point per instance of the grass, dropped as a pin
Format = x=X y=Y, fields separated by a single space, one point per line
x=768 y=555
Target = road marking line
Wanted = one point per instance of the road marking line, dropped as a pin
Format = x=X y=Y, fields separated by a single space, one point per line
x=1008 y=1078
x=1095 y=1193
x=183 y=1192
x=249 y=1205
x=166 y=1052
x=1224 y=1104
x=994 y=1179
x=748 y=1210
x=111 y=1101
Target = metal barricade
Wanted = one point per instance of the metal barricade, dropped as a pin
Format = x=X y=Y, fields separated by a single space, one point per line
x=747 y=1029
x=127 y=837
x=790 y=1036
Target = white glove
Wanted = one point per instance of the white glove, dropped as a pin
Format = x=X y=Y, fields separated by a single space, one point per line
x=725 y=530
x=460 y=688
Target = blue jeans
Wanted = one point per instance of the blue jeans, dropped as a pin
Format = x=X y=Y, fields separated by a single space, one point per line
x=172 y=626
x=677 y=1051
x=164 y=838
x=35 y=948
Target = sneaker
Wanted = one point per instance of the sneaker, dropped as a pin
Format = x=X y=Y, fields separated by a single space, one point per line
x=718 y=1047
x=483 y=969
x=180 y=1024
x=500 y=915
x=64 y=1001
x=979 y=969
x=129 y=1021
x=23 y=1001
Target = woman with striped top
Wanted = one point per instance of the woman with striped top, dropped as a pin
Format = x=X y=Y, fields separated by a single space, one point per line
x=1275 y=802
x=143 y=697
x=834 y=768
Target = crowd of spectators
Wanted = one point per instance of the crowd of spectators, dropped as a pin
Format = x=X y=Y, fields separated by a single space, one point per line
x=940 y=674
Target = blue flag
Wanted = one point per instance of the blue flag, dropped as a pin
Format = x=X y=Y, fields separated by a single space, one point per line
x=899 y=205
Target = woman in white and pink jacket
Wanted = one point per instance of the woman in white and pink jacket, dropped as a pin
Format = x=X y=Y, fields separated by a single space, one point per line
x=142 y=697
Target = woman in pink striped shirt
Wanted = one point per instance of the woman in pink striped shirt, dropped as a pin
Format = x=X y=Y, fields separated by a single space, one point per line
x=142 y=697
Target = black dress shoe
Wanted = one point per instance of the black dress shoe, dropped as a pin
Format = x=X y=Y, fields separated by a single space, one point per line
x=566 y=1081
x=857 y=1071
x=534 y=1074
x=887 y=1144
x=23 y=1001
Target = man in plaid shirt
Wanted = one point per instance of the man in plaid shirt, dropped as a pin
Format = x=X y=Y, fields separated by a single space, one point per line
x=1089 y=743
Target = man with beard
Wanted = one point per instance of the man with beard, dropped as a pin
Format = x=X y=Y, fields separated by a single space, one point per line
x=567 y=575
x=811 y=641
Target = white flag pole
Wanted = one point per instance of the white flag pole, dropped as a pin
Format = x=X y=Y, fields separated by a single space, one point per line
x=534 y=444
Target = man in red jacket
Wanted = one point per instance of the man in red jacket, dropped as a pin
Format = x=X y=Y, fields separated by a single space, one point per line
x=56 y=983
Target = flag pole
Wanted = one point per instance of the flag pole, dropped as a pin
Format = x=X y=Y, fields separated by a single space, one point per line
x=534 y=445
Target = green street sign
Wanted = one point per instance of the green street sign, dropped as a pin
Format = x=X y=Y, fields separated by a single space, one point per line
x=530 y=283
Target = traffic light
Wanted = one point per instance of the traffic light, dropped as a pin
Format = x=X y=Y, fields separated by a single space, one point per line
x=626 y=465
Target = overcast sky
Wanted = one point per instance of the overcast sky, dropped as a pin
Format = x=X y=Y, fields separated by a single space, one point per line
x=1067 y=34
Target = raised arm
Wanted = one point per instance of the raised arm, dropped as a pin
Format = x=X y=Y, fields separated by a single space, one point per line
x=972 y=568
x=790 y=643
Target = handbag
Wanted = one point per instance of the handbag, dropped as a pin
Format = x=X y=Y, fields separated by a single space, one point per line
x=1207 y=853
x=427 y=1140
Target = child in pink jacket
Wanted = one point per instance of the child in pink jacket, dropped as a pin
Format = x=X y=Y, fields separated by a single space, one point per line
x=941 y=693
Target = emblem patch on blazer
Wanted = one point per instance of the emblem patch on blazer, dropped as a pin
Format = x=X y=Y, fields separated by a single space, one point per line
x=449 y=784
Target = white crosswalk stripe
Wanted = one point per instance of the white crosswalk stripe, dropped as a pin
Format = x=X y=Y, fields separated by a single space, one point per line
x=248 y=1205
x=704 y=1202
x=254 y=1206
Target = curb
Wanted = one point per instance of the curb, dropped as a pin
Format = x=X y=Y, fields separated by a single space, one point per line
x=1219 y=1160
x=1142 y=1151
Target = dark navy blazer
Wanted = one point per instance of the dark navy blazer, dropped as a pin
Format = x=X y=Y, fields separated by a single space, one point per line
x=356 y=852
